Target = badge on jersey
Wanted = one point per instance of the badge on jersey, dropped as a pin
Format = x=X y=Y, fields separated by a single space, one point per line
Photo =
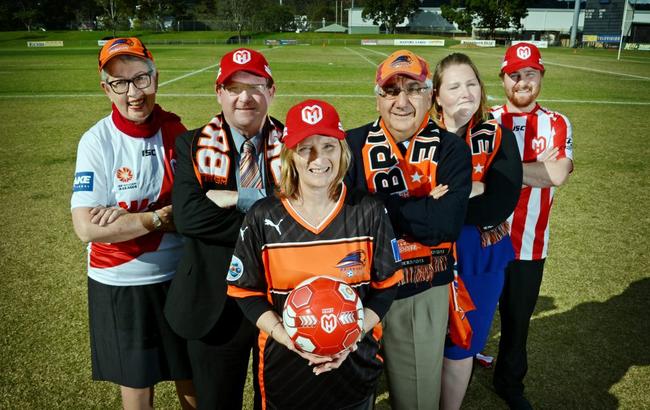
x=395 y=246
x=83 y=181
x=236 y=269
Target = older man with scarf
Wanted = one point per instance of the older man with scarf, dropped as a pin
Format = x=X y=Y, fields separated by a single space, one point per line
x=407 y=160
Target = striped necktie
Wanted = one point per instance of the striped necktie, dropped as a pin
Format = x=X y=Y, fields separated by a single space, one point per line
x=249 y=171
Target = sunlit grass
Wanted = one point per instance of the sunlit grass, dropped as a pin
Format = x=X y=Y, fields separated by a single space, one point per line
x=588 y=340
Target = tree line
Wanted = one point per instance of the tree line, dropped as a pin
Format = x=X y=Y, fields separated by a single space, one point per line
x=243 y=15
x=72 y=14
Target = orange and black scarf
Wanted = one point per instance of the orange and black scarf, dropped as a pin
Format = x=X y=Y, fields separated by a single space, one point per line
x=409 y=174
x=484 y=141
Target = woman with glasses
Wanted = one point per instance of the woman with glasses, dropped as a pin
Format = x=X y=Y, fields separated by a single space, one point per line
x=121 y=206
x=483 y=248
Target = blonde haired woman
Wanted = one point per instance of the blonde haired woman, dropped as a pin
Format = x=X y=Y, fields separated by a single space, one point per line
x=314 y=226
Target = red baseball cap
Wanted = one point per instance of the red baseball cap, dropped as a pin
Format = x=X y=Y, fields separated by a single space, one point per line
x=123 y=46
x=522 y=55
x=311 y=117
x=243 y=59
x=403 y=62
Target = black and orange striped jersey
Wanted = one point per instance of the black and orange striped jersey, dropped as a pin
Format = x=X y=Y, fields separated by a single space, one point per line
x=277 y=249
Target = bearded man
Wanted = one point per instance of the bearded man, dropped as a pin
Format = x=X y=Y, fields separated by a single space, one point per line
x=545 y=141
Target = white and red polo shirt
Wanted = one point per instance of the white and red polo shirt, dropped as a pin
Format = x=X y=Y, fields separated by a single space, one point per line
x=115 y=169
x=536 y=132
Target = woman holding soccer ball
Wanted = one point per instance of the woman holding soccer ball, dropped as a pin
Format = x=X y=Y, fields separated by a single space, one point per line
x=484 y=247
x=315 y=226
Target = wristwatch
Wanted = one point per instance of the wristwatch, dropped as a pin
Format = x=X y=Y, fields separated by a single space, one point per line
x=157 y=222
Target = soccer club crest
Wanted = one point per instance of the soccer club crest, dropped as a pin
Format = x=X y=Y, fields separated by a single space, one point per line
x=312 y=114
x=523 y=52
x=241 y=57
x=236 y=269
x=353 y=263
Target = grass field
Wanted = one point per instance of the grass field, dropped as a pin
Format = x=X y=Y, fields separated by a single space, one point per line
x=588 y=345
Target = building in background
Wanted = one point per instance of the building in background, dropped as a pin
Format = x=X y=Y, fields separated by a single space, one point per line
x=549 y=20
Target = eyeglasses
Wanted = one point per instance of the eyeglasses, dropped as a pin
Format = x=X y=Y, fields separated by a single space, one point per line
x=140 y=82
x=236 y=89
x=392 y=92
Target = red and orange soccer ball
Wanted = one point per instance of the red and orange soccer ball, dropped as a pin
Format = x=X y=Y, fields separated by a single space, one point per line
x=323 y=316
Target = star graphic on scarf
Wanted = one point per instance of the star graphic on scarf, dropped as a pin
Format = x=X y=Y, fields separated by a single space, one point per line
x=478 y=169
x=416 y=177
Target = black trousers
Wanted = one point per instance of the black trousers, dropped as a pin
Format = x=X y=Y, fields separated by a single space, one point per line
x=220 y=361
x=516 y=305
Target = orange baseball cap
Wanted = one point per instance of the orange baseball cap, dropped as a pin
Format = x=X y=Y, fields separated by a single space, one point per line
x=123 y=46
x=403 y=62
x=522 y=55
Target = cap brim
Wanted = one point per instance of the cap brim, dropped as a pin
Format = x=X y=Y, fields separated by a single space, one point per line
x=259 y=73
x=293 y=139
x=122 y=53
x=405 y=74
x=511 y=68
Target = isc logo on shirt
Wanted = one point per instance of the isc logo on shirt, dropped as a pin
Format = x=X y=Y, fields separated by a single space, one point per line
x=83 y=181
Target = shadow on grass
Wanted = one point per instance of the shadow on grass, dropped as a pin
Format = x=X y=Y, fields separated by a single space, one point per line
x=575 y=357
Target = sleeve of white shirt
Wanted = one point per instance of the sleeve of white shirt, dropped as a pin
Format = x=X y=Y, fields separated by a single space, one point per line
x=90 y=185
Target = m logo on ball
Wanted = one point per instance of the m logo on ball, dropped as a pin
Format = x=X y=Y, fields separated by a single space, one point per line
x=312 y=114
x=328 y=322
x=241 y=57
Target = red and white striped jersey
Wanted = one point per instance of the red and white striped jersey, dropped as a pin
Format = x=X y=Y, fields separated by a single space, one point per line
x=115 y=169
x=536 y=132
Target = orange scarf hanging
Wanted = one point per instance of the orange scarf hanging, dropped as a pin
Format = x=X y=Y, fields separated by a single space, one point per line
x=412 y=174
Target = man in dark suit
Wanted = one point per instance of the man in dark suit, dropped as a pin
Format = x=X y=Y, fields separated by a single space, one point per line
x=222 y=169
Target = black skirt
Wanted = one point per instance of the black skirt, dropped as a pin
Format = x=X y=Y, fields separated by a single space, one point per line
x=130 y=341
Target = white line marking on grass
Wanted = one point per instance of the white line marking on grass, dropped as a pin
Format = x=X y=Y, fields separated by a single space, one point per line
x=597 y=71
x=369 y=95
x=187 y=75
x=375 y=51
x=280 y=81
x=362 y=56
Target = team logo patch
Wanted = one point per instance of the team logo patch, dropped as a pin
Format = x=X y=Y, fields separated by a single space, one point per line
x=523 y=52
x=241 y=57
x=124 y=174
x=120 y=44
x=312 y=114
x=353 y=262
x=83 y=181
x=401 y=61
x=538 y=144
x=236 y=269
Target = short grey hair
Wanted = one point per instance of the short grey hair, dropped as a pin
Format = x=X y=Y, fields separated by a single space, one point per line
x=127 y=58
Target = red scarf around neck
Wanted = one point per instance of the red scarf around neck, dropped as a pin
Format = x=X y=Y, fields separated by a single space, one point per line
x=148 y=128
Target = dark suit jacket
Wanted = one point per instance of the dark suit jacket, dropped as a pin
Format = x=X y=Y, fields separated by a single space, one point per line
x=197 y=294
